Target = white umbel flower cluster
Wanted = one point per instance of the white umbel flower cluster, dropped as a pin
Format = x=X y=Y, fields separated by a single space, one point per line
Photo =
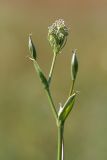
x=57 y=35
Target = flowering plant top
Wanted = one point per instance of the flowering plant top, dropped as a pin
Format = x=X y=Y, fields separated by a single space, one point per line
x=57 y=35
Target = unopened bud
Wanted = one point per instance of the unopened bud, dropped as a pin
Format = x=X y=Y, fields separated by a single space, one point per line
x=74 y=65
x=32 y=48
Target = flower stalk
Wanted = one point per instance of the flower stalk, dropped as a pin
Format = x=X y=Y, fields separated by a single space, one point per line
x=60 y=153
x=72 y=87
x=52 y=68
x=53 y=108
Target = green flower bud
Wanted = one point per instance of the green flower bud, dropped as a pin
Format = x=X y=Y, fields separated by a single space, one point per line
x=74 y=65
x=32 y=48
x=57 y=35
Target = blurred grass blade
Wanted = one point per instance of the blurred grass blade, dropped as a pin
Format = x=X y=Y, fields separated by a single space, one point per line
x=66 y=109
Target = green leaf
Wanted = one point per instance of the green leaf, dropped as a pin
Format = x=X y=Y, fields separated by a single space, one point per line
x=66 y=109
x=40 y=74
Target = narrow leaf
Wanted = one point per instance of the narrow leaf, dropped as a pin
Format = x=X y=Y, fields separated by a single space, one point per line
x=64 y=112
x=40 y=74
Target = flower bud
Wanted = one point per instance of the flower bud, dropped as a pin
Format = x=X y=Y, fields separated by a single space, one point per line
x=74 y=65
x=32 y=48
x=57 y=35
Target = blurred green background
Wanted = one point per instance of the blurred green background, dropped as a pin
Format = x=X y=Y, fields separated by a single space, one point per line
x=27 y=126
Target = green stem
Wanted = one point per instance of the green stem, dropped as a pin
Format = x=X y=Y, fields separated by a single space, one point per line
x=72 y=87
x=52 y=68
x=52 y=104
x=60 y=155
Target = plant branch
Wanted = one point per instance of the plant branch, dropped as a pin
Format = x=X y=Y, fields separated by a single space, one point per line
x=52 y=104
x=52 y=68
x=72 y=87
x=60 y=155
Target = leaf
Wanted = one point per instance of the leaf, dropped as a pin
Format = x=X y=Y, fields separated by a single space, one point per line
x=66 y=109
x=40 y=74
